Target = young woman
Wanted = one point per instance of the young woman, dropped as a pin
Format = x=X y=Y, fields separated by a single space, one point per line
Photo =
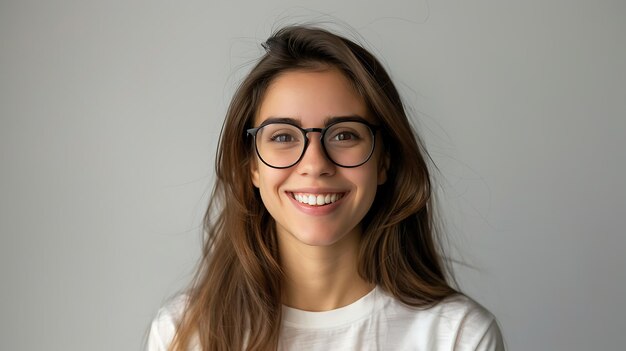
x=320 y=233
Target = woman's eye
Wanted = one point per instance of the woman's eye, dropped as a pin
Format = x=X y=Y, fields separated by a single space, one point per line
x=283 y=138
x=345 y=136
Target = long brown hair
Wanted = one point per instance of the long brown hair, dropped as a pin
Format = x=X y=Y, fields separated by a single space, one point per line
x=234 y=301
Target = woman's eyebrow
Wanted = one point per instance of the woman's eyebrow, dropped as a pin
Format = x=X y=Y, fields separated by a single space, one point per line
x=327 y=121
x=281 y=120
x=336 y=119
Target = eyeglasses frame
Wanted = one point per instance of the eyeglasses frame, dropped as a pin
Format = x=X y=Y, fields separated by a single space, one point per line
x=372 y=128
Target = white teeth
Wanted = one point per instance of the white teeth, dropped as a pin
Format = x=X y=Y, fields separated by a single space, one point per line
x=317 y=200
x=320 y=199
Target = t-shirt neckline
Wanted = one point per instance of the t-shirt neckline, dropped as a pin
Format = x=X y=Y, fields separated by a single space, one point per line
x=357 y=310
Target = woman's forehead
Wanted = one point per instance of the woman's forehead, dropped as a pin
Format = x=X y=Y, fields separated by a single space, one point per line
x=311 y=98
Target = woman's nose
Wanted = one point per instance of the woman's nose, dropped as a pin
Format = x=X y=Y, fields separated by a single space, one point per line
x=314 y=162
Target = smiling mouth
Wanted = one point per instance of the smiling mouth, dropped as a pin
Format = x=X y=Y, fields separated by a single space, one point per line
x=317 y=199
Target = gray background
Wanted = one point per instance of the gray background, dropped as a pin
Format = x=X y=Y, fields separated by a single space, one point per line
x=110 y=112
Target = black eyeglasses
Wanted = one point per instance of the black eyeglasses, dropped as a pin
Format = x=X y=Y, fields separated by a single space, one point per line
x=347 y=142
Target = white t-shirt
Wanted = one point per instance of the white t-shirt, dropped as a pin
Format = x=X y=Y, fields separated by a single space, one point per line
x=377 y=321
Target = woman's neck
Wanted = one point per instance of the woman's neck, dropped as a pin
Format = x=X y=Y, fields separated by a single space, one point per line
x=321 y=278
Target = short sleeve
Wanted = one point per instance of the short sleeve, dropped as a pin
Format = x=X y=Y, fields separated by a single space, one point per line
x=163 y=327
x=161 y=332
x=476 y=328
x=491 y=339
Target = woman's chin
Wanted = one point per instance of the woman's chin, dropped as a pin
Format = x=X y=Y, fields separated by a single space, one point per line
x=319 y=237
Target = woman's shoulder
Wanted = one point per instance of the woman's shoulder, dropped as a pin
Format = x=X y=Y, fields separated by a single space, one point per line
x=454 y=307
x=457 y=319
x=460 y=306
x=476 y=328
x=164 y=323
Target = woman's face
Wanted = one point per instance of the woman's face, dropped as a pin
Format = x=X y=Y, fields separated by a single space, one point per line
x=310 y=99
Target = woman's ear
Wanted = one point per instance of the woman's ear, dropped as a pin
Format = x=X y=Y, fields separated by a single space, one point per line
x=254 y=171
